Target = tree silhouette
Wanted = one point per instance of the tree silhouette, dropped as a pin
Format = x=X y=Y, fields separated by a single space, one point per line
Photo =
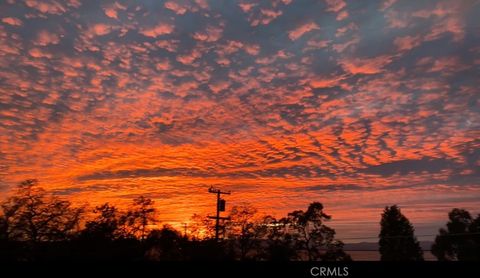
x=33 y=215
x=313 y=237
x=164 y=245
x=9 y=209
x=105 y=226
x=396 y=239
x=136 y=221
x=201 y=227
x=280 y=242
x=245 y=230
x=461 y=240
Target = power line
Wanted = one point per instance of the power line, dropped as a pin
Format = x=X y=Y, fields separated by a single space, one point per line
x=425 y=235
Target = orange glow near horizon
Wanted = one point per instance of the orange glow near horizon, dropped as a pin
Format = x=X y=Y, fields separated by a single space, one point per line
x=281 y=102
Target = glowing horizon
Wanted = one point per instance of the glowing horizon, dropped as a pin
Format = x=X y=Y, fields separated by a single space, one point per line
x=283 y=102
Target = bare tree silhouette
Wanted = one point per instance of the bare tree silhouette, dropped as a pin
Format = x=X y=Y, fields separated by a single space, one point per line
x=201 y=227
x=105 y=226
x=245 y=230
x=33 y=215
x=135 y=223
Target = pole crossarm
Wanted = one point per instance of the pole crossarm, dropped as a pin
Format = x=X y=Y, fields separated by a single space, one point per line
x=221 y=218
x=218 y=191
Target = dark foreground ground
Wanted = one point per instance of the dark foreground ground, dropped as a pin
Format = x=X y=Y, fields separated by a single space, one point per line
x=242 y=269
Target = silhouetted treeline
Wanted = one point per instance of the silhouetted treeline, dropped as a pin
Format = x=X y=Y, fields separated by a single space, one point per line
x=37 y=226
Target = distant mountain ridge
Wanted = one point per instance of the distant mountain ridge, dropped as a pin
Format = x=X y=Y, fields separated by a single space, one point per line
x=373 y=246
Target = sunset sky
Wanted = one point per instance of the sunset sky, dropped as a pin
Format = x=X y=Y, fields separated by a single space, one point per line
x=355 y=104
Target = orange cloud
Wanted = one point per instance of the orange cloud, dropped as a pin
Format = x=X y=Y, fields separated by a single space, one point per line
x=246 y=7
x=189 y=58
x=397 y=20
x=45 y=38
x=219 y=86
x=326 y=82
x=12 y=21
x=100 y=29
x=252 y=49
x=335 y=5
x=387 y=4
x=447 y=65
x=453 y=25
x=175 y=7
x=158 y=30
x=163 y=65
x=342 y=15
x=267 y=16
x=202 y=4
x=37 y=53
x=348 y=45
x=47 y=6
x=112 y=9
x=365 y=65
x=211 y=34
x=301 y=30
x=111 y=12
x=407 y=42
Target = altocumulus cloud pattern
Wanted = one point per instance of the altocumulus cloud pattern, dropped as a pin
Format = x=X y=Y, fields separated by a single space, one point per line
x=357 y=104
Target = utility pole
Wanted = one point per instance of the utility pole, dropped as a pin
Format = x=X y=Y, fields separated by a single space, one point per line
x=220 y=207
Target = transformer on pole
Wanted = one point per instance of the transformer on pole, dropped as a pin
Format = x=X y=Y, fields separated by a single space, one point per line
x=220 y=207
